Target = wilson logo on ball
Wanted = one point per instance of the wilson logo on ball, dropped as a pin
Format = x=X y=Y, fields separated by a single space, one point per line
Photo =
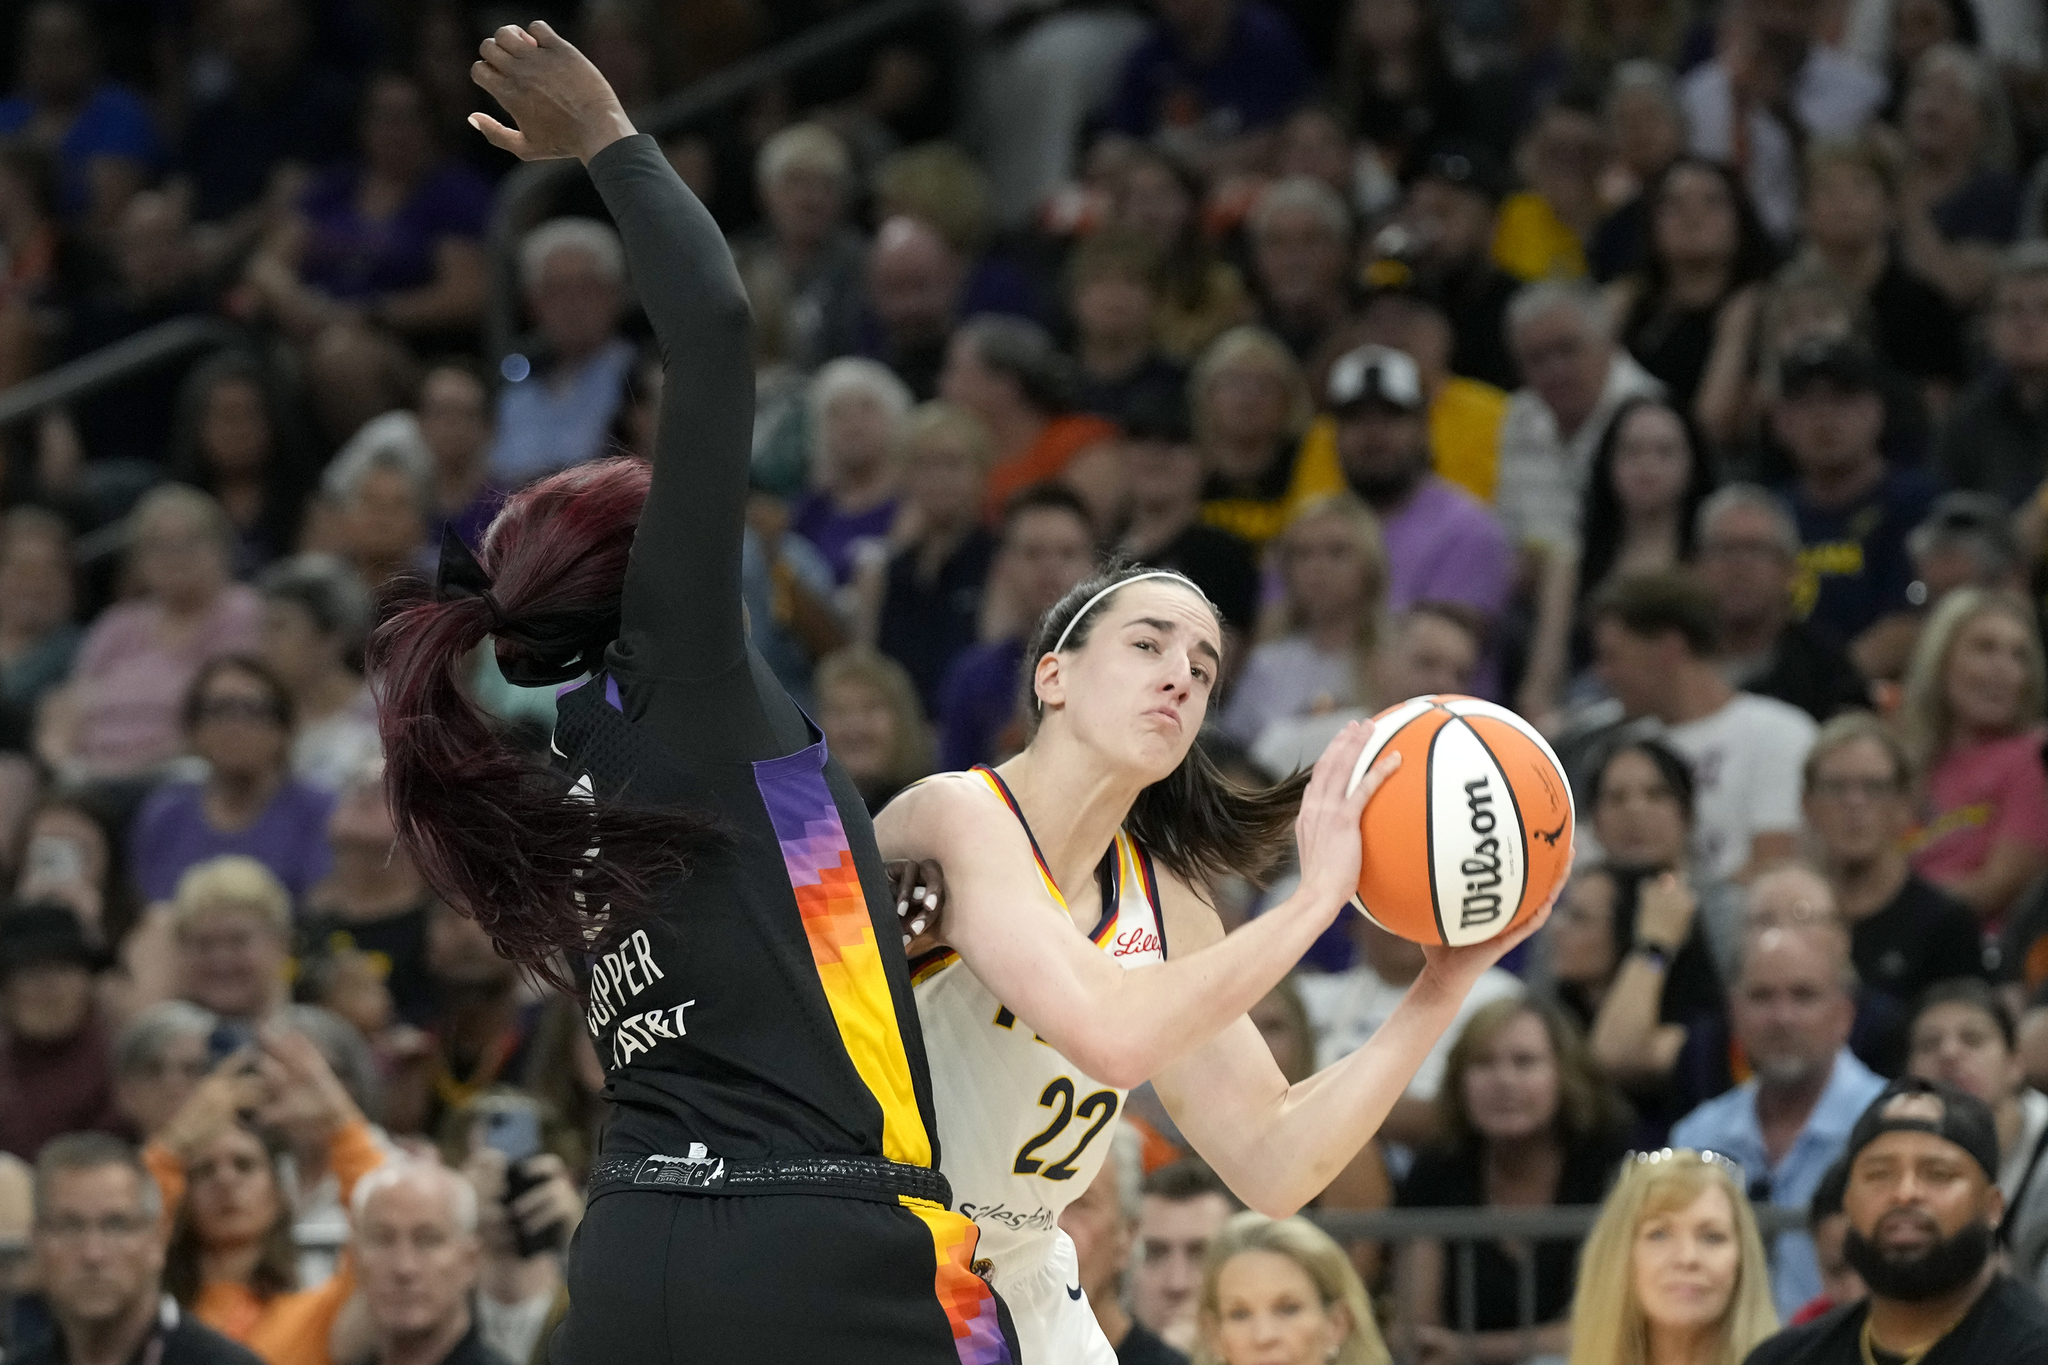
x=1473 y=833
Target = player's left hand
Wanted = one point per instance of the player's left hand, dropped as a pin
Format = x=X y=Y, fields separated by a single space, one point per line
x=920 y=892
x=562 y=104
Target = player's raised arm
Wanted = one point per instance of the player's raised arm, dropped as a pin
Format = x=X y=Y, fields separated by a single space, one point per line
x=685 y=571
x=1120 y=1024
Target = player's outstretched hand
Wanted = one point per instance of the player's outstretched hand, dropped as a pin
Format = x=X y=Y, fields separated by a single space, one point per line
x=1327 y=830
x=562 y=105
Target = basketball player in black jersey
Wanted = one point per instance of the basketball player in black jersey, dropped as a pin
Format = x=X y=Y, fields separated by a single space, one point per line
x=768 y=1190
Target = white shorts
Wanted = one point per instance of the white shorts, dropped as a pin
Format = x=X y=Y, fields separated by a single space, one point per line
x=1055 y=1325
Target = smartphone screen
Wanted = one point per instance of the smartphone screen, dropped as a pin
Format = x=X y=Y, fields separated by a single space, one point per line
x=512 y=1131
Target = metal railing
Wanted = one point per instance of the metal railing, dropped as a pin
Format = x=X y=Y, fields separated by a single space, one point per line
x=524 y=196
x=1465 y=1228
x=114 y=363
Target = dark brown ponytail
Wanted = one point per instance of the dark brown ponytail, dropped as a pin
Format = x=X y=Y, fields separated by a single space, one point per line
x=498 y=834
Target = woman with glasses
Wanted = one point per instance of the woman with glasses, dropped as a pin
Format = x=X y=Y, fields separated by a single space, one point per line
x=238 y=717
x=1673 y=1272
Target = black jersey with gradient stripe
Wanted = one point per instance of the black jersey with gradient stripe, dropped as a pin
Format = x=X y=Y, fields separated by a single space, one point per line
x=767 y=1012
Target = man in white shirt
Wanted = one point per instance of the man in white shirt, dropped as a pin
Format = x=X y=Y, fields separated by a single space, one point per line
x=1574 y=380
x=1346 y=1008
x=1656 y=638
x=1768 y=75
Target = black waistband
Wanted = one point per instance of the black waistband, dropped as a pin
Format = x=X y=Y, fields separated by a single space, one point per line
x=846 y=1177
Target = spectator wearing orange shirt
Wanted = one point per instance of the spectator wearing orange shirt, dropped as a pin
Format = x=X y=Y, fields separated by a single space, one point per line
x=1005 y=371
x=231 y=1261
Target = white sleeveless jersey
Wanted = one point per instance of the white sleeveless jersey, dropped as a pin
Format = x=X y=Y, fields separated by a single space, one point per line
x=1023 y=1131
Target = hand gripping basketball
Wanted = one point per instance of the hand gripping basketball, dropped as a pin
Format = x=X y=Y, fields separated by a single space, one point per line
x=1474 y=835
x=1327 y=830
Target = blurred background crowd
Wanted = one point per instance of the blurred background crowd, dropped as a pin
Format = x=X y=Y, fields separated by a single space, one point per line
x=1673 y=371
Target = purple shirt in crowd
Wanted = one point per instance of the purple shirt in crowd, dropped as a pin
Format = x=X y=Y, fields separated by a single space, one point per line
x=1444 y=546
x=172 y=833
x=834 y=533
x=354 y=257
x=978 y=702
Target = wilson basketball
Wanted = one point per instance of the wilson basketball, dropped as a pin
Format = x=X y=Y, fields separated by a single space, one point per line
x=1473 y=833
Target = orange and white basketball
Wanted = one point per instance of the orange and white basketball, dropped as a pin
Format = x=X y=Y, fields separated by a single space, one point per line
x=1473 y=833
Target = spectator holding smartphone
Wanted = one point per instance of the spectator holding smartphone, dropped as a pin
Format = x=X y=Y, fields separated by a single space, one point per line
x=231 y=1261
x=527 y=1206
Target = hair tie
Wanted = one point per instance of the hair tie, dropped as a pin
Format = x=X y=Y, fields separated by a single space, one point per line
x=460 y=575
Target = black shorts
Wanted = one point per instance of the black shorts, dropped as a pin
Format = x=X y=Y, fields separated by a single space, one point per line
x=667 y=1278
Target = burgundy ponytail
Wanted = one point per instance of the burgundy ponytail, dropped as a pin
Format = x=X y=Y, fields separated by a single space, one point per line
x=496 y=833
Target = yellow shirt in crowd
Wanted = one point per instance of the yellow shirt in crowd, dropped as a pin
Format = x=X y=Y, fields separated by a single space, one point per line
x=1531 y=242
x=1464 y=444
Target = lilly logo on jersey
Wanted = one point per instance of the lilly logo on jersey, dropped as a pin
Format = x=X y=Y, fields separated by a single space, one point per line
x=1135 y=940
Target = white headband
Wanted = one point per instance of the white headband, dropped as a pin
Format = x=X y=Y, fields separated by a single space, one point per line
x=1089 y=605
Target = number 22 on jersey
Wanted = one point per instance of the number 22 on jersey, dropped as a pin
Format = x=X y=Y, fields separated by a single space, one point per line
x=1095 y=1110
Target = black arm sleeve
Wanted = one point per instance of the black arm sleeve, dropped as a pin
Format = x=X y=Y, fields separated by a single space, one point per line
x=682 y=659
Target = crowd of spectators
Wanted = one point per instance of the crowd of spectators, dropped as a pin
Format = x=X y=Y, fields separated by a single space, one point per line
x=1672 y=371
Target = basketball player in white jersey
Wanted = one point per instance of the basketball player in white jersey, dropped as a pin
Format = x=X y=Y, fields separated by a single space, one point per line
x=1084 y=956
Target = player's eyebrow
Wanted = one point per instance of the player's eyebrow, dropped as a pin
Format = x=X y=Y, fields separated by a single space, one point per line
x=1170 y=628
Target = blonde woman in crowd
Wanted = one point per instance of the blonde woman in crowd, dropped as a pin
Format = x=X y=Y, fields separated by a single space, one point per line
x=1333 y=562
x=1278 y=1291
x=1972 y=722
x=1674 y=1271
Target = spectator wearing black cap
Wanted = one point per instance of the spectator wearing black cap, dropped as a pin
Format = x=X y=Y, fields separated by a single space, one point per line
x=1442 y=544
x=1465 y=415
x=56 y=1067
x=1166 y=528
x=1447 y=228
x=1924 y=1206
x=1996 y=439
x=1853 y=512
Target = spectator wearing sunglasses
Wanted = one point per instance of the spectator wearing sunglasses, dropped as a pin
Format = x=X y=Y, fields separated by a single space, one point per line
x=238 y=719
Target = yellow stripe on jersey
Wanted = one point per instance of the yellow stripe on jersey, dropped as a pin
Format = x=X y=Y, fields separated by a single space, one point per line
x=840 y=930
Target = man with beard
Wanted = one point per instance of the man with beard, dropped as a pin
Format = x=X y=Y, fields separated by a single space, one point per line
x=1923 y=1206
x=1443 y=545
